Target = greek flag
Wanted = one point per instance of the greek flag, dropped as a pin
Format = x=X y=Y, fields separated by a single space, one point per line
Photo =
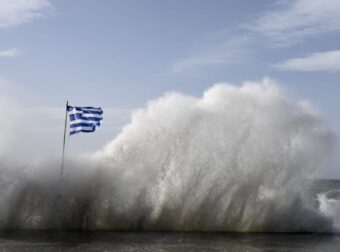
x=84 y=119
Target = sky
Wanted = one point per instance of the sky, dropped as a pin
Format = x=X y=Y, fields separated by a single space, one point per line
x=119 y=54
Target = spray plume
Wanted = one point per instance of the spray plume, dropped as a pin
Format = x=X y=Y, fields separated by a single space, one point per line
x=237 y=159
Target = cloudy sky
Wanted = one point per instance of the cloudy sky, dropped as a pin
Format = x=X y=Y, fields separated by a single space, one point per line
x=120 y=54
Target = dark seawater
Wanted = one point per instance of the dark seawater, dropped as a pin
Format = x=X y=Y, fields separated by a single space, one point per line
x=148 y=241
x=26 y=240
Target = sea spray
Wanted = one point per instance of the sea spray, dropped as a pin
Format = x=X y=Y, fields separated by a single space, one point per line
x=329 y=205
x=238 y=159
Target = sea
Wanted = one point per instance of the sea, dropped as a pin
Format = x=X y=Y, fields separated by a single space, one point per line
x=164 y=241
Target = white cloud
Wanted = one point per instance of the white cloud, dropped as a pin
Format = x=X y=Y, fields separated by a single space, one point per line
x=288 y=23
x=295 y=20
x=323 y=61
x=228 y=51
x=14 y=52
x=17 y=12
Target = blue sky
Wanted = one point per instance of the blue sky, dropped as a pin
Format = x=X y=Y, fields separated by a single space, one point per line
x=120 y=54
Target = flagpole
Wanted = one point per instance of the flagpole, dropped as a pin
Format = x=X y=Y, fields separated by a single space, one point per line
x=63 y=154
x=60 y=196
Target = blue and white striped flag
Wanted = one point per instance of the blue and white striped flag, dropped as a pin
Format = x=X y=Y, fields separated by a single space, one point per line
x=84 y=119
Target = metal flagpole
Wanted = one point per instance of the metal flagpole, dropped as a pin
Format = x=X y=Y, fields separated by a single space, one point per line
x=61 y=179
x=62 y=161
